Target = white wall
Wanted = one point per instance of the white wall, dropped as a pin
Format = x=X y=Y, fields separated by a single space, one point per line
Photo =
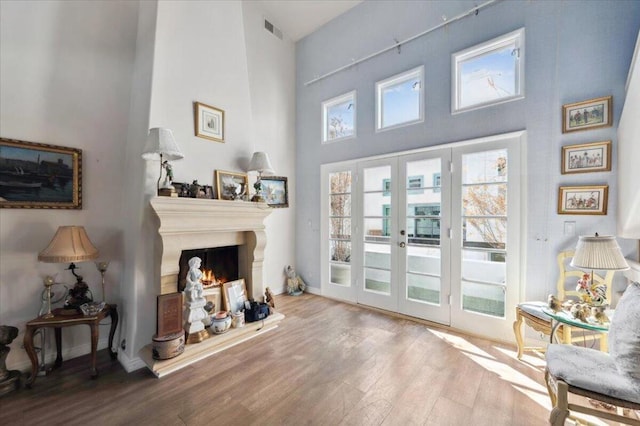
x=65 y=74
x=271 y=64
x=96 y=76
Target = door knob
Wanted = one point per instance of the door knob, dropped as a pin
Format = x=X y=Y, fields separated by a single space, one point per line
x=402 y=244
x=402 y=232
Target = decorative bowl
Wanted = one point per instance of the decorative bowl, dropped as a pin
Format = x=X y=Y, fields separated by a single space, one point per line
x=91 y=309
x=221 y=324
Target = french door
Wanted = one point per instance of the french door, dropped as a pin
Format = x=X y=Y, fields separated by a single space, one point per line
x=429 y=234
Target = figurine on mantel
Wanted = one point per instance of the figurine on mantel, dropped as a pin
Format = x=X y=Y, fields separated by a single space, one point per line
x=194 y=313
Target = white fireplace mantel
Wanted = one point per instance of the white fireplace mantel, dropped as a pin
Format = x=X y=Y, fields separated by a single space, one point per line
x=192 y=223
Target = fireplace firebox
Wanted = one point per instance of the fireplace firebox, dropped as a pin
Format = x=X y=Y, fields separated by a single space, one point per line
x=219 y=265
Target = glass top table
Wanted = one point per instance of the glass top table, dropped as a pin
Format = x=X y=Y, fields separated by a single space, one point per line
x=564 y=317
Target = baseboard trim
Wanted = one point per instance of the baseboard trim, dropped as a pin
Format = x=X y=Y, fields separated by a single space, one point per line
x=313 y=290
x=130 y=364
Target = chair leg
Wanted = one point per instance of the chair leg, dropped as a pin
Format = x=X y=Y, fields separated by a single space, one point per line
x=560 y=411
x=517 y=330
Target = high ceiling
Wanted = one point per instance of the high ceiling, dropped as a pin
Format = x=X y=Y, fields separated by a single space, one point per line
x=298 y=18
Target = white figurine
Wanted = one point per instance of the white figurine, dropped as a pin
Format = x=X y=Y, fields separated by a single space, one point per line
x=193 y=288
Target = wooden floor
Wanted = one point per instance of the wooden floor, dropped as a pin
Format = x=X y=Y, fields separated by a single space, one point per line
x=328 y=363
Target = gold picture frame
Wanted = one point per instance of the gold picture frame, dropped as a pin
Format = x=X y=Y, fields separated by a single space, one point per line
x=208 y=122
x=598 y=112
x=586 y=157
x=583 y=200
x=231 y=185
x=39 y=176
x=234 y=294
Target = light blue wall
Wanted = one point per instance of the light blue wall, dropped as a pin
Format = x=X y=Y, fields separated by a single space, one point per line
x=575 y=50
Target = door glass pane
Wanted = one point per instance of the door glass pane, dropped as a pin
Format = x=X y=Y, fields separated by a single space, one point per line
x=377 y=256
x=340 y=227
x=483 y=298
x=340 y=251
x=423 y=288
x=486 y=166
x=340 y=182
x=484 y=233
x=341 y=274
x=485 y=200
x=378 y=280
x=376 y=229
x=340 y=205
x=424 y=260
x=377 y=179
x=377 y=204
x=484 y=265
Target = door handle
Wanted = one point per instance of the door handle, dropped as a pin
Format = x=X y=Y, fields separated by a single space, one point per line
x=402 y=244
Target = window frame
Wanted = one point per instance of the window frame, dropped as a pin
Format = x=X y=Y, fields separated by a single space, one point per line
x=393 y=81
x=337 y=100
x=489 y=47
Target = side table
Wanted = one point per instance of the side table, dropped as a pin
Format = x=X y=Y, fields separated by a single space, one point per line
x=563 y=317
x=57 y=322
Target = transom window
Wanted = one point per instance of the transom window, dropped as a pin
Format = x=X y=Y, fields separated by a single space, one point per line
x=488 y=73
x=399 y=99
x=339 y=117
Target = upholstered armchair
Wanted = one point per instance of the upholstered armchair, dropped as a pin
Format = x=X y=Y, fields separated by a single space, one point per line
x=531 y=312
x=613 y=378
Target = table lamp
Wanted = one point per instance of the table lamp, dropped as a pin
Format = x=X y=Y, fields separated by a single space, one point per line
x=260 y=163
x=600 y=253
x=161 y=145
x=70 y=244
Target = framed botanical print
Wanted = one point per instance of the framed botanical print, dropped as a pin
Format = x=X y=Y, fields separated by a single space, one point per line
x=209 y=122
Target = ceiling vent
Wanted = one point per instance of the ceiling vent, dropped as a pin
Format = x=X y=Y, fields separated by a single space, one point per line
x=272 y=29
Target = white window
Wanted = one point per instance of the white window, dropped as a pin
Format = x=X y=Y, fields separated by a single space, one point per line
x=488 y=73
x=400 y=99
x=339 y=118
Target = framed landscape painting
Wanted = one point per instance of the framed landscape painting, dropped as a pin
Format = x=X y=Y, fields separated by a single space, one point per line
x=587 y=157
x=274 y=191
x=231 y=185
x=586 y=115
x=583 y=200
x=39 y=176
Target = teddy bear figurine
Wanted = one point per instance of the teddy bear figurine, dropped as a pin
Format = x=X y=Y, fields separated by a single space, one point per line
x=295 y=285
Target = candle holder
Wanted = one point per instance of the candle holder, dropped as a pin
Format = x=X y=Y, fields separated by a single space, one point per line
x=48 y=282
x=102 y=268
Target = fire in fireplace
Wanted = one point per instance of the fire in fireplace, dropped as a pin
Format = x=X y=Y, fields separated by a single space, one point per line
x=219 y=265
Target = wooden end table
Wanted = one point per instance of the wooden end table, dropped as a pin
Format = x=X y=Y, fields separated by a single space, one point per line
x=57 y=322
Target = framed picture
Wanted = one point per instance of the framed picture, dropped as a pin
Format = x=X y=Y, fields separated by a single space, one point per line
x=230 y=185
x=587 y=115
x=583 y=200
x=209 y=122
x=588 y=157
x=274 y=191
x=234 y=294
x=213 y=295
x=169 y=314
x=39 y=176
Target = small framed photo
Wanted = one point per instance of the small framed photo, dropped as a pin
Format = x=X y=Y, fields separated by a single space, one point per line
x=587 y=115
x=274 y=191
x=209 y=122
x=39 y=176
x=588 y=157
x=234 y=294
x=583 y=200
x=213 y=295
x=230 y=185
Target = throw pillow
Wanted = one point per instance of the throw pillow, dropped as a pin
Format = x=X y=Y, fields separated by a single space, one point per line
x=624 y=333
